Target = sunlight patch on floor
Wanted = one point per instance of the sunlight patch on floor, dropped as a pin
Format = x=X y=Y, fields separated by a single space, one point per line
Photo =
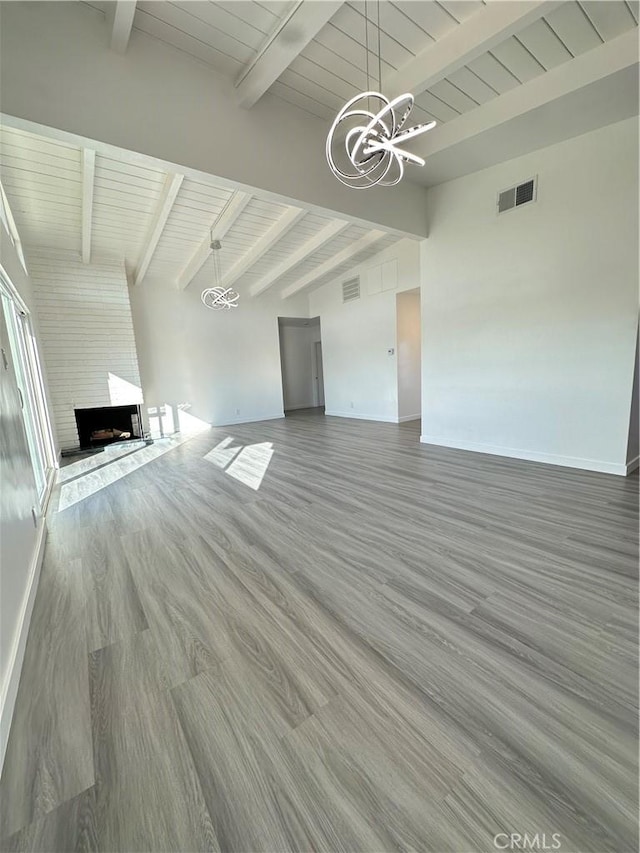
x=113 y=468
x=111 y=453
x=250 y=465
x=91 y=482
x=87 y=476
x=222 y=454
x=247 y=464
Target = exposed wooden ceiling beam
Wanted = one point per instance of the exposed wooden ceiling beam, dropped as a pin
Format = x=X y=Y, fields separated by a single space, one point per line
x=331 y=230
x=291 y=36
x=263 y=245
x=449 y=139
x=333 y=263
x=123 y=12
x=171 y=186
x=223 y=223
x=88 y=180
x=484 y=30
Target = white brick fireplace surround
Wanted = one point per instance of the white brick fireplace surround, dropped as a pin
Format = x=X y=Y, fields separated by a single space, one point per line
x=88 y=346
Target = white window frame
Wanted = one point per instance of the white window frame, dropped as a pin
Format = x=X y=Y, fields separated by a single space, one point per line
x=29 y=374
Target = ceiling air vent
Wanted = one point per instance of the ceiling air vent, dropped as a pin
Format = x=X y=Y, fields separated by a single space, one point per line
x=517 y=196
x=351 y=290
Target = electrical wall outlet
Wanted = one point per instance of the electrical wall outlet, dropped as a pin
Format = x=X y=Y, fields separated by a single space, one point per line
x=390 y=351
x=237 y=411
x=351 y=404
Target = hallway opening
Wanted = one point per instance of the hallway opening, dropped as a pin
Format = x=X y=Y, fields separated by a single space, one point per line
x=409 y=337
x=301 y=363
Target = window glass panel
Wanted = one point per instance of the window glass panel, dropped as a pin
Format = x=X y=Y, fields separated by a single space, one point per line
x=27 y=370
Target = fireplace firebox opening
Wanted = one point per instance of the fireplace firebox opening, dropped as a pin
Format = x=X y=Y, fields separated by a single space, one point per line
x=108 y=424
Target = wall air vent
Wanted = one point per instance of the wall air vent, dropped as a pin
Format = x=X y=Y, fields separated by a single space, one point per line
x=517 y=196
x=351 y=290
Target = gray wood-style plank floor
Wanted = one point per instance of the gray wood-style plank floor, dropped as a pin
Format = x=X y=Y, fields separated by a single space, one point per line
x=316 y=634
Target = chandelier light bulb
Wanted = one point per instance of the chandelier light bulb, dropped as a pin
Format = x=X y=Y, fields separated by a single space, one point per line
x=220 y=298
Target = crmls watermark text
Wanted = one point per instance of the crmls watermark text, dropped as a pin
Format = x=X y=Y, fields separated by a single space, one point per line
x=526 y=841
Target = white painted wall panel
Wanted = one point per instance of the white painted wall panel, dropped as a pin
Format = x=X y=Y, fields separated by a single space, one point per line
x=220 y=366
x=360 y=377
x=529 y=318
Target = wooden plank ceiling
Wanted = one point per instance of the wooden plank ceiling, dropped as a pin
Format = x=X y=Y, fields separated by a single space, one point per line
x=457 y=55
x=45 y=183
x=231 y=36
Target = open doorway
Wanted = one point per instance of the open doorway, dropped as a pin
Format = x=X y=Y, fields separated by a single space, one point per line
x=409 y=333
x=301 y=363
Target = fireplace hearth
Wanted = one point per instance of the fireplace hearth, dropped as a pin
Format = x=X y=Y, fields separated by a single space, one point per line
x=107 y=425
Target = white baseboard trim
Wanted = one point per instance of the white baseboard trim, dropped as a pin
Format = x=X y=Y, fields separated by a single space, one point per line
x=254 y=420
x=14 y=670
x=405 y=418
x=598 y=465
x=359 y=417
x=632 y=464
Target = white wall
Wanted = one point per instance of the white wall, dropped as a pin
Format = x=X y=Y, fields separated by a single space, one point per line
x=529 y=318
x=633 y=443
x=86 y=333
x=20 y=539
x=360 y=377
x=298 y=363
x=409 y=334
x=224 y=366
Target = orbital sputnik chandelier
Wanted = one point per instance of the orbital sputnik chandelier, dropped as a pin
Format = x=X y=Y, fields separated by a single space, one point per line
x=217 y=297
x=369 y=153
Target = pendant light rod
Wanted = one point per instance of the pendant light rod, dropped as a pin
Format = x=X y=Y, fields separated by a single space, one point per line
x=379 y=52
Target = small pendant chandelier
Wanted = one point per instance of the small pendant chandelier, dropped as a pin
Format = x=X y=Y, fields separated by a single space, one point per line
x=218 y=298
x=370 y=154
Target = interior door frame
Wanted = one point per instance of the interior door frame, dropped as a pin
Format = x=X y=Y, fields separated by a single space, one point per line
x=318 y=367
